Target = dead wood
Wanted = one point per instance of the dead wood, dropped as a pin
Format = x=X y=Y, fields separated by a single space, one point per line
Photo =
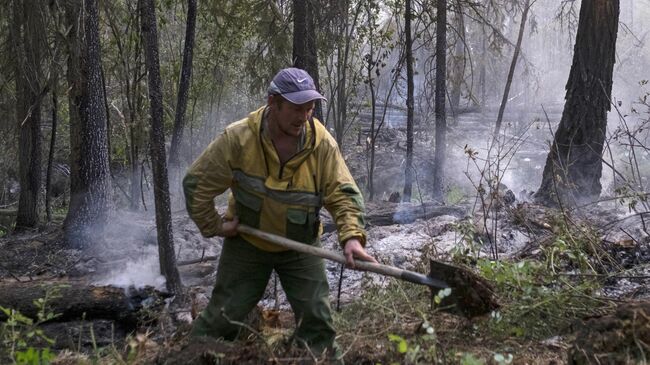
x=74 y=299
x=388 y=213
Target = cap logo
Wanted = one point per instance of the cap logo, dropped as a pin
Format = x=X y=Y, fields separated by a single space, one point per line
x=301 y=80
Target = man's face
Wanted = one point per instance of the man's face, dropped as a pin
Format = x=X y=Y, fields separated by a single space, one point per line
x=291 y=118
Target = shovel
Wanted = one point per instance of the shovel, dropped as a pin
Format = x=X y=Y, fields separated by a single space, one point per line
x=471 y=295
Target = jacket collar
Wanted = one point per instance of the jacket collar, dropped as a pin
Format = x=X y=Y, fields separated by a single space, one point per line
x=313 y=137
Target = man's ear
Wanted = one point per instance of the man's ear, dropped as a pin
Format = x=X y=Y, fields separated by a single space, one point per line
x=269 y=100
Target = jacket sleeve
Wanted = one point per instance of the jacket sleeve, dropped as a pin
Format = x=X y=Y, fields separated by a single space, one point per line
x=342 y=197
x=209 y=176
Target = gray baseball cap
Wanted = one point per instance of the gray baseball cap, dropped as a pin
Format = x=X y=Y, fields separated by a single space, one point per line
x=295 y=85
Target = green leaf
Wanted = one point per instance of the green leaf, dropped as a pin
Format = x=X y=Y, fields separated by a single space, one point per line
x=402 y=347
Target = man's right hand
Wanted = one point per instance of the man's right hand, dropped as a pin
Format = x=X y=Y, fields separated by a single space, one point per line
x=229 y=228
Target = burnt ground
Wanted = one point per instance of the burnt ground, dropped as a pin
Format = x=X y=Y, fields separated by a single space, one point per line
x=372 y=308
x=587 y=297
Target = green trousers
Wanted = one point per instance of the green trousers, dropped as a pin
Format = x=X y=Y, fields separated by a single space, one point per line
x=242 y=277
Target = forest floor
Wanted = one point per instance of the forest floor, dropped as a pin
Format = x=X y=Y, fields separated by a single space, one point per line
x=573 y=285
x=554 y=285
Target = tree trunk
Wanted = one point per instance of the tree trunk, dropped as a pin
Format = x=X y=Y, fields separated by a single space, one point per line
x=458 y=62
x=482 y=68
x=441 y=115
x=90 y=185
x=50 y=156
x=373 y=107
x=184 y=86
x=347 y=28
x=573 y=166
x=513 y=65
x=305 y=49
x=408 y=171
x=28 y=29
x=158 y=161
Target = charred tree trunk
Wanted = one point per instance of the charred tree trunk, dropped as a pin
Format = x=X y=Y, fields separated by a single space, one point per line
x=574 y=166
x=158 y=161
x=184 y=85
x=50 y=156
x=305 y=49
x=408 y=171
x=90 y=185
x=513 y=65
x=28 y=30
x=441 y=115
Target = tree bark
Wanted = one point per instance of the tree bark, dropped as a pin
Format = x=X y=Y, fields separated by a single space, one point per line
x=184 y=86
x=408 y=171
x=373 y=105
x=166 y=253
x=574 y=166
x=28 y=29
x=305 y=48
x=458 y=61
x=50 y=156
x=90 y=185
x=513 y=65
x=441 y=115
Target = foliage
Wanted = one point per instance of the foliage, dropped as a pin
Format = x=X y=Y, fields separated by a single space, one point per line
x=536 y=304
x=468 y=243
x=19 y=333
x=576 y=246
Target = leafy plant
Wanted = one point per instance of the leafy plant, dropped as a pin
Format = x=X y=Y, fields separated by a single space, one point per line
x=19 y=332
x=536 y=304
x=468 y=244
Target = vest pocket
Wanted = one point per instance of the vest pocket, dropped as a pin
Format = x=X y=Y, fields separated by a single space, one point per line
x=301 y=226
x=248 y=207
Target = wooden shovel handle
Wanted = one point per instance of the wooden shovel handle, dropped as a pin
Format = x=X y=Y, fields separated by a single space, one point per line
x=337 y=257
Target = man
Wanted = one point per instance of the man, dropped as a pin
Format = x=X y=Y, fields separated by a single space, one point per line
x=282 y=166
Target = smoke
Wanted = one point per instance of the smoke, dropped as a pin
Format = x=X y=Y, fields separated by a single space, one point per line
x=128 y=252
x=140 y=270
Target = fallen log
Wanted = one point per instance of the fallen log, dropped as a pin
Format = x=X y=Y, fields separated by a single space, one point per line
x=76 y=299
x=387 y=213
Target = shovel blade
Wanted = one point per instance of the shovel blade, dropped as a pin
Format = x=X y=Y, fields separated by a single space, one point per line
x=471 y=295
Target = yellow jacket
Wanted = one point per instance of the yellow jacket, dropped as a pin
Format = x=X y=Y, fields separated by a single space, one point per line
x=283 y=200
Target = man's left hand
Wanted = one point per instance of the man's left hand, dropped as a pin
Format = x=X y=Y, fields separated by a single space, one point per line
x=353 y=250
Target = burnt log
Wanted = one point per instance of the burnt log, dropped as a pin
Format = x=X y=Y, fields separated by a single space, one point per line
x=72 y=300
x=389 y=213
